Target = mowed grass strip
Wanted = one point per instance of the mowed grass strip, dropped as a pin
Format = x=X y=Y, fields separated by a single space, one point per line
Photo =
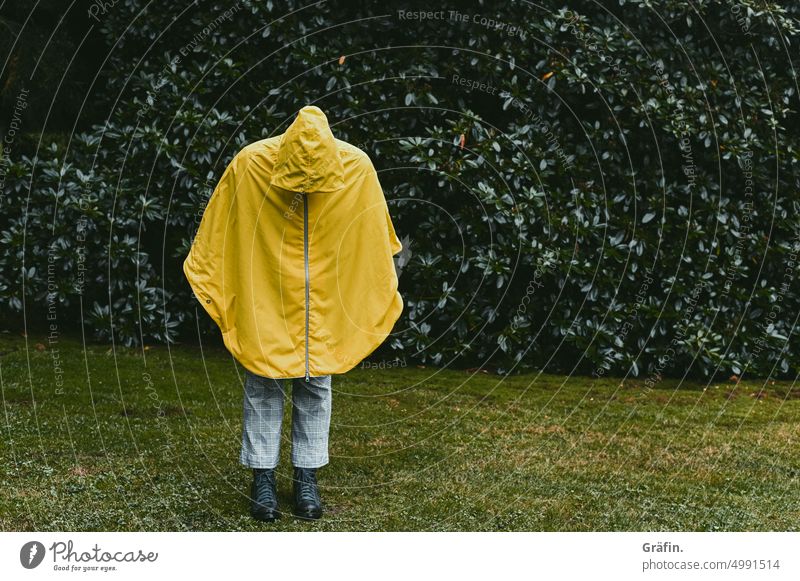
x=101 y=438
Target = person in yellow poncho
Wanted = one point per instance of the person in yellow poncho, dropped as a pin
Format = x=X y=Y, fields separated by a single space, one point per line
x=293 y=260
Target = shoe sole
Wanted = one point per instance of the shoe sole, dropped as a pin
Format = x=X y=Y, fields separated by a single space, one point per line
x=265 y=516
x=308 y=515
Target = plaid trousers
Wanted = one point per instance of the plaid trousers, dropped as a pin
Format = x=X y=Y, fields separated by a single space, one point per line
x=263 y=416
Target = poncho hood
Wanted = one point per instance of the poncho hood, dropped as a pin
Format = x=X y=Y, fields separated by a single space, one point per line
x=308 y=157
x=293 y=255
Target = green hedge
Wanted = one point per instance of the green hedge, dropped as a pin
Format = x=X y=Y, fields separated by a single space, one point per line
x=583 y=188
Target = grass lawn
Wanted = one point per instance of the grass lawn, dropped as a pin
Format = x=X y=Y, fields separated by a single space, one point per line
x=411 y=448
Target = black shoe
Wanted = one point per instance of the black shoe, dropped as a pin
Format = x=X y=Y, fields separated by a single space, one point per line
x=263 y=495
x=307 y=503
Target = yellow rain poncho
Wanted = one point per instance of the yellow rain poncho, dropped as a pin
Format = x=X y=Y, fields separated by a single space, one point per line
x=293 y=256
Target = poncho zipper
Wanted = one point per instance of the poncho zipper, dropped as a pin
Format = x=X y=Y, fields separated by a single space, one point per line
x=305 y=257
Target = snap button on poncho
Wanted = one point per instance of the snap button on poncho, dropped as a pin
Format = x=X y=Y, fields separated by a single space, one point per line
x=293 y=255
